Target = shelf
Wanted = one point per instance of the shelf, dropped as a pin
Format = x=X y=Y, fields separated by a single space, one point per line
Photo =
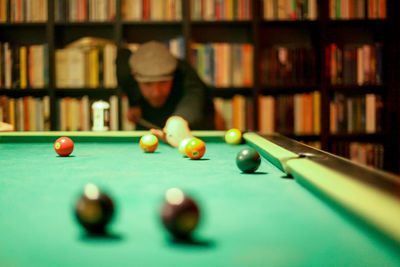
x=67 y=33
x=22 y=24
x=23 y=33
x=229 y=92
x=152 y=23
x=221 y=32
x=91 y=92
x=359 y=137
x=85 y=24
x=24 y=92
x=287 y=89
x=358 y=89
x=291 y=23
x=357 y=23
x=231 y=23
x=138 y=32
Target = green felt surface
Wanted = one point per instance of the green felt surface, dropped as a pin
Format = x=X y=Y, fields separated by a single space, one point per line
x=257 y=219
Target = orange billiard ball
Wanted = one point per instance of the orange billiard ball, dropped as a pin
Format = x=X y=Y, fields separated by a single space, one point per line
x=149 y=143
x=195 y=148
x=64 y=146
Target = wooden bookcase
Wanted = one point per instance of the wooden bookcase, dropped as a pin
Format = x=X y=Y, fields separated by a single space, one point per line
x=319 y=33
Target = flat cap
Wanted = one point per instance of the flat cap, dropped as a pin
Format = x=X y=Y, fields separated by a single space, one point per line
x=153 y=62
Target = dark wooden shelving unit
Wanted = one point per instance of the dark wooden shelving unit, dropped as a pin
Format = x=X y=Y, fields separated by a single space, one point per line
x=359 y=89
x=315 y=33
x=91 y=92
x=288 y=89
x=229 y=92
x=25 y=92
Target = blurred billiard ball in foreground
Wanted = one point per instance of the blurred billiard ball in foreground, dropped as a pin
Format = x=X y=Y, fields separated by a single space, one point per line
x=94 y=209
x=233 y=136
x=248 y=160
x=64 y=146
x=179 y=213
x=149 y=143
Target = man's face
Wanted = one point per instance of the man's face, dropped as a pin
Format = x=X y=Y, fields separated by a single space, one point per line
x=156 y=93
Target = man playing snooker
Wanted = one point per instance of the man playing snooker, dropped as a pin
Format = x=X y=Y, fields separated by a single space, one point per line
x=160 y=86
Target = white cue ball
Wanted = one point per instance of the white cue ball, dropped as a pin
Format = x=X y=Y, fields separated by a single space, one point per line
x=182 y=146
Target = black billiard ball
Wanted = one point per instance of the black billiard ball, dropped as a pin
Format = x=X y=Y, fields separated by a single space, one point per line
x=94 y=209
x=179 y=213
x=248 y=160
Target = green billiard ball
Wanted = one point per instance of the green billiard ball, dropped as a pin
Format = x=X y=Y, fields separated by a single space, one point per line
x=248 y=160
x=233 y=136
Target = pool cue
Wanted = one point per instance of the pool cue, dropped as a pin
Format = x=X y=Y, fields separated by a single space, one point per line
x=148 y=124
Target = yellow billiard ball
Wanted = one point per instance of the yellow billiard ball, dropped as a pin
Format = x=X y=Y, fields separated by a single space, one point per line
x=233 y=136
x=195 y=148
x=148 y=143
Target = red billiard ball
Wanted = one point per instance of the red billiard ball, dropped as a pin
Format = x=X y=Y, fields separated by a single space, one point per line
x=195 y=148
x=64 y=146
x=94 y=209
x=180 y=214
x=149 y=143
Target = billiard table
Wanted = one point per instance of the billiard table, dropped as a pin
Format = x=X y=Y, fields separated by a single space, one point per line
x=302 y=207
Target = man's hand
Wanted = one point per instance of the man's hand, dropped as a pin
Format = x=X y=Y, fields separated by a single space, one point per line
x=176 y=129
x=160 y=135
x=134 y=114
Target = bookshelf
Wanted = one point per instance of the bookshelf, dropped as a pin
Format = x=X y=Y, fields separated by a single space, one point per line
x=314 y=30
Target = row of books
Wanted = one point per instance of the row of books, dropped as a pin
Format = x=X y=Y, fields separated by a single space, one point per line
x=355 y=64
x=287 y=65
x=223 y=64
x=211 y=10
x=236 y=112
x=84 y=10
x=363 y=153
x=357 y=9
x=359 y=114
x=86 y=66
x=23 y=10
x=287 y=114
x=151 y=10
x=290 y=9
x=74 y=114
x=23 y=66
x=26 y=113
x=176 y=46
